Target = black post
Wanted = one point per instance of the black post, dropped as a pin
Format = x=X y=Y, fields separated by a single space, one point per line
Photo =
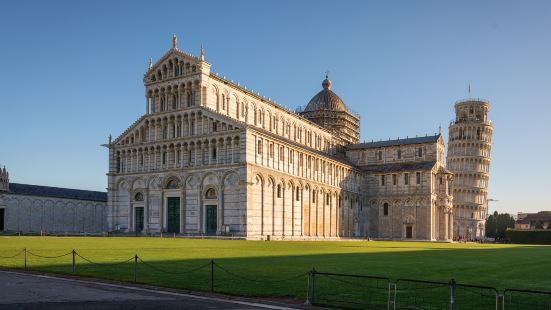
x=74 y=260
x=311 y=289
x=25 y=250
x=212 y=275
x=135 y=268
x=452 y=293
x=313 y=284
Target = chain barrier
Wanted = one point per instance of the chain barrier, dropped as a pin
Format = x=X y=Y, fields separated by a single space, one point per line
x=172 y=271
x=13 y=256
x=336 y=278
x=104 y=264
x=526 y=299
x=359 y=290
x=44 y=256
x=257 y=280
x=348 y=291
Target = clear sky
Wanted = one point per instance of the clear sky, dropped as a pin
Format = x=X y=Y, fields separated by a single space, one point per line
x=71 y=74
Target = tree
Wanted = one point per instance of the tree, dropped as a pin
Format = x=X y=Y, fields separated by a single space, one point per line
x=491 y=226
x=497 y=224
x=538 y=225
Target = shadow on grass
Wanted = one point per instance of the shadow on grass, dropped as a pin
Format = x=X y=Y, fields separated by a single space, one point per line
x=279 y=276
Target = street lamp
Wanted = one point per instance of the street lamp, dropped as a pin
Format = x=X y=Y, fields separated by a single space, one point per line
x=488 y=204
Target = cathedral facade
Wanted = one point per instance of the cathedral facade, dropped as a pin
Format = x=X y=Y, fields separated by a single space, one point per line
x=209 y=157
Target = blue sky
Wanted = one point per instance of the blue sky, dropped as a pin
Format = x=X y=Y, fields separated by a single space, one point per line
x=71 y=74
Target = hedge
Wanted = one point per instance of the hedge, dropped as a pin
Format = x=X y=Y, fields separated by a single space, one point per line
x=529 y=236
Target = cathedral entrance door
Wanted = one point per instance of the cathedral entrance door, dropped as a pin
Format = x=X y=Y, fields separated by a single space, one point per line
x=409 y=232
x=138 y=219
x=173 y=215
x=211 y=220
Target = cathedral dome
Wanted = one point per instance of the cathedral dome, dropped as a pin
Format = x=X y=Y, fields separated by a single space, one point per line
x=326 y=100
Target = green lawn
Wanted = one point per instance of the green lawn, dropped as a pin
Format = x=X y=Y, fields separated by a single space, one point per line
x=250 y=265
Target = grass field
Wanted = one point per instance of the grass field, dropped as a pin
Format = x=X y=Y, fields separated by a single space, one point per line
x=167 y=260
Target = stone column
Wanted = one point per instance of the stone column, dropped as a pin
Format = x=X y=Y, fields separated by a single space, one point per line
x=446 y=219
x=146 y=210
x=197 y=149
x=450 y=224
x=182 y=156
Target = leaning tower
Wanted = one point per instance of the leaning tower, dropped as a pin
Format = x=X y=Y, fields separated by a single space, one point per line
x=469 y=146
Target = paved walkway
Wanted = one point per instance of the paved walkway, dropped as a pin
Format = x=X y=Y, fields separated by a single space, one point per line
x=31 y=291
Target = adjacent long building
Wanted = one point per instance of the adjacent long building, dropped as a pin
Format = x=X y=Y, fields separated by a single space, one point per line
x=209 y=157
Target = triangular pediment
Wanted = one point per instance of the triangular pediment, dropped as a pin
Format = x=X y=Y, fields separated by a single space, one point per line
x=132 y=131
x=171 y=59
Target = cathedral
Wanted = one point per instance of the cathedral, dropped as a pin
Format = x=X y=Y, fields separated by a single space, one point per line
x=210 y=157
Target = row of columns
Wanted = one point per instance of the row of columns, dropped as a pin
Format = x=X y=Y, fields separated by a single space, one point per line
x=166 y=101
x=469 y=165
x=303 y=165
x=187 y=125
x=483 y=133
x=224 y=151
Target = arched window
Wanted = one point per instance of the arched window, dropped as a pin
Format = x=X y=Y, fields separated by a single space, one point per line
x=297 y=194
x=279 y=191
x=259 y=121
x=172 y=184
x=138 y=196
x=210 y=193
x=385 y=209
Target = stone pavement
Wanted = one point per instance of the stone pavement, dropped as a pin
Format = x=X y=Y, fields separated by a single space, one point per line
x=32 y=291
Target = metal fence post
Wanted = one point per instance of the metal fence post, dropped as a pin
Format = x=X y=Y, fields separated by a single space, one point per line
x=212 y=275
x=308 y=301
x=25 y=250
x=74 y=267
x=311 y=289
x=452 y=293
x=135 y=268
x=391 y=296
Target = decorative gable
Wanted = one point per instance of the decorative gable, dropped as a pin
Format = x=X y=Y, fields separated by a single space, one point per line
x=175 y=63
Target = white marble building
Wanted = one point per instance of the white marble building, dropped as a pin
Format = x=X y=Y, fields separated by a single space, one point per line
x=210 y=157
x=26 y=208
x=470 y=144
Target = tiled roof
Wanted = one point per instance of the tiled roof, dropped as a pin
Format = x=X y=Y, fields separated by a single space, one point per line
x=425 y=165
x=57 y=192
x=406 y=141
x=535 y=217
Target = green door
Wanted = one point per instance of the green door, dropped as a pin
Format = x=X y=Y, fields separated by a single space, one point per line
x=138 y=219
x=173 y=215
x=409 y=232
x=211 y=220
